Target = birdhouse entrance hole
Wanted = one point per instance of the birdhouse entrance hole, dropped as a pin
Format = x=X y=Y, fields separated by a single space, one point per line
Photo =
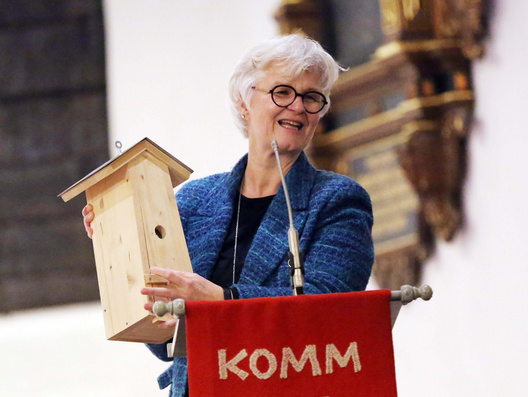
x=160 y=231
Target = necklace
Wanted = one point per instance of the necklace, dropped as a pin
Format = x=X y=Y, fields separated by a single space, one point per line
x=236 y=235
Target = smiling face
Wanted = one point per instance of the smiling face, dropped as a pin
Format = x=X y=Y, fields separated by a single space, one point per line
x=292 y=127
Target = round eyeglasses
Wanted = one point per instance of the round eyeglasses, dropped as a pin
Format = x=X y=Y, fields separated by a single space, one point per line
x=284 y=95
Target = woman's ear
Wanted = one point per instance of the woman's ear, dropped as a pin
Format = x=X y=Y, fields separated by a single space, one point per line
x=243 y=110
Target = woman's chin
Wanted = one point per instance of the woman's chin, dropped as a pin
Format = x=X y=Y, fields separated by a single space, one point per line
x=292 y=142
x=290 y=148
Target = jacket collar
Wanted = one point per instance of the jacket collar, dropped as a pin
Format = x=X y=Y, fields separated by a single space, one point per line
x=299 y=181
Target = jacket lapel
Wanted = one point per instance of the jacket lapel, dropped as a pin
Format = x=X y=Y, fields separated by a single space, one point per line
x=270 y=244
x=214 y=216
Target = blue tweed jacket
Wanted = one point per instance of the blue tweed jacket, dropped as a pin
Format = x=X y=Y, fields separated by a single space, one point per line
x=331 y=212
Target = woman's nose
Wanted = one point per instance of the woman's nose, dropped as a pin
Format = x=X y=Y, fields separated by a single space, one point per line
x=297 y=105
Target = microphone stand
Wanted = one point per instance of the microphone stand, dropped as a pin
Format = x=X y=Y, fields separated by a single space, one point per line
x=294 y=256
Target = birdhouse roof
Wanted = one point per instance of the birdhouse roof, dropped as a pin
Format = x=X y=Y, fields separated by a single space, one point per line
x=179 y=172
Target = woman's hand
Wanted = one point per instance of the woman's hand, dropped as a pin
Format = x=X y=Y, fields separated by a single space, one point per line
x=183 y=285
x=88 y=217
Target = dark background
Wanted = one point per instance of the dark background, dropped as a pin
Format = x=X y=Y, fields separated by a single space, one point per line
x=53 y=131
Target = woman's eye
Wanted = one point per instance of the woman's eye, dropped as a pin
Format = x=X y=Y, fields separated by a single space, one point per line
x=313 y=98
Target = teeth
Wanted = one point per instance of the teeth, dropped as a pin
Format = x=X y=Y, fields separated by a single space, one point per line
x=288 y=123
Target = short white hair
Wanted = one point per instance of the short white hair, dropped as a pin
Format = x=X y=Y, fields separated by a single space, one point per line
x=293 y=54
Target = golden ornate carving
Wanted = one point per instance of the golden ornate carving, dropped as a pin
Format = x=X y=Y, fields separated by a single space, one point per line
x=400 y=267
x=300 y=16
x=390 y=16
x=433 y=163
x=451 y=17
x=458 y=20
x=393 y=120
x=462 y=20
x=410 y=8
x=416 y=46
x=414 y=150
x=428 y=133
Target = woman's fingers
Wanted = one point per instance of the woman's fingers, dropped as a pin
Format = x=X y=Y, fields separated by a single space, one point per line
x=167 y=324
x=175 y=277
x=88 y=217
x=158 y=292
x=164 y=324
x=87 y=208
x=184 y=285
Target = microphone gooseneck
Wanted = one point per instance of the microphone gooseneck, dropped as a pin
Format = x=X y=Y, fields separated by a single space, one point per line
x=295 y=259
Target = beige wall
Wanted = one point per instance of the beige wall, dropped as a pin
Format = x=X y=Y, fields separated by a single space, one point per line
x=169 y=63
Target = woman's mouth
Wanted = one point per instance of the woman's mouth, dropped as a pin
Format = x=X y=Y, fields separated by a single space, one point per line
x=291 y=124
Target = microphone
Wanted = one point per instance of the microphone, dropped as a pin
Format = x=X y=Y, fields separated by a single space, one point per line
x=295 y=261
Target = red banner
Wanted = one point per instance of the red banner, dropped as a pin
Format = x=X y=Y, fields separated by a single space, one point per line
x=312 y=345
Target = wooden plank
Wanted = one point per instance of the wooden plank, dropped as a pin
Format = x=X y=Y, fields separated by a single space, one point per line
x=155 y=280
x=164 y=237
x=118 y=253
x=136 y=332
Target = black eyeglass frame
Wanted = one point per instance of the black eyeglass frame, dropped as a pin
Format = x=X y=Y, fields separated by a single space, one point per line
x=325 y=102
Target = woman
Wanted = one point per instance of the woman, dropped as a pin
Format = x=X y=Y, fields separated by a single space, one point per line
x=236 y=223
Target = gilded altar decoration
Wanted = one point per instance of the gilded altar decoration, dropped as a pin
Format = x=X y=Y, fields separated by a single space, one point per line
x=399 y=122
x=410 y=8
x=390 y=16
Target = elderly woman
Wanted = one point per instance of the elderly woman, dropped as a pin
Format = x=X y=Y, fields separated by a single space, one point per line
x=236 y=223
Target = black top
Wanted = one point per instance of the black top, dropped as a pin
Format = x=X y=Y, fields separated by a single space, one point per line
x=252 y=211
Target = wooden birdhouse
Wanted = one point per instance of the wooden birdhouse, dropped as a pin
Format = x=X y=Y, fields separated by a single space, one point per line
x=136 y=226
